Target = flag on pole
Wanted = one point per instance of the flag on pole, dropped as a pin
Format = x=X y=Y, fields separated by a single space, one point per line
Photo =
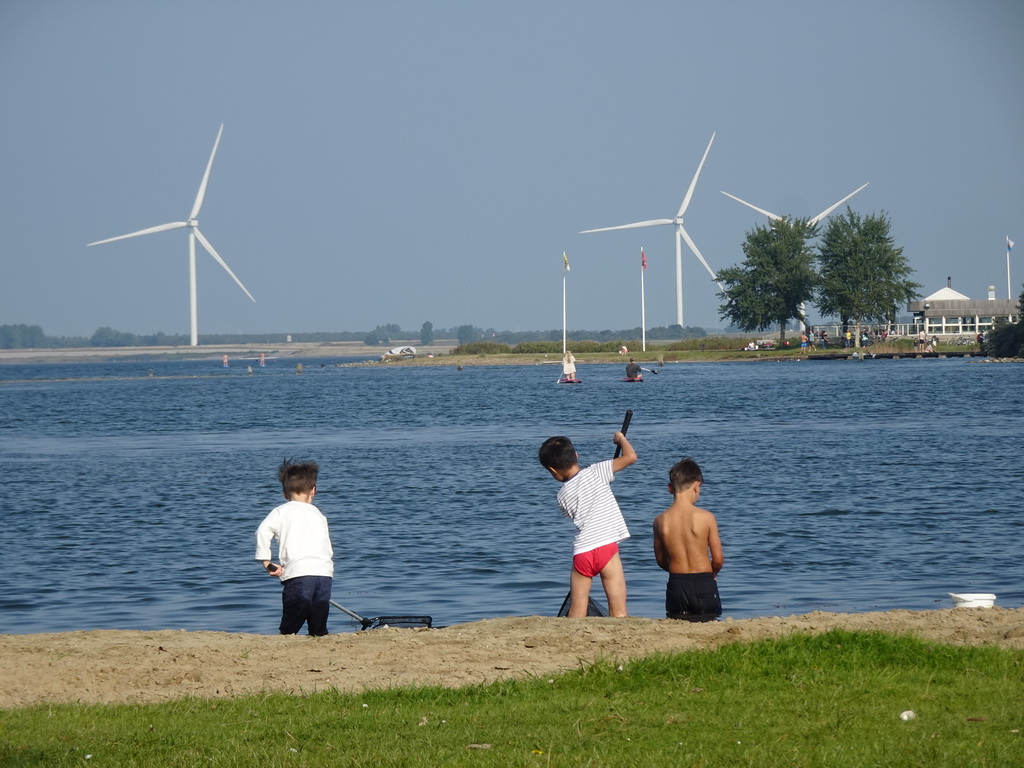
x=643 y=259
x=565 y=259
x=1009 y=244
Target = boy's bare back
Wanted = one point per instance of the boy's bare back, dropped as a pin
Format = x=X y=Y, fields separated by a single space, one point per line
x=686 y=539
x=686 y=536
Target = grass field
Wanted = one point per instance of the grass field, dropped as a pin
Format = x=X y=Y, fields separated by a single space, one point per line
x=828 y=700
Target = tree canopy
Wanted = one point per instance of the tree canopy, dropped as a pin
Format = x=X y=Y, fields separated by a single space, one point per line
x=864 y=276
x=1007 y=339
x=427 y=334
x=774 y=280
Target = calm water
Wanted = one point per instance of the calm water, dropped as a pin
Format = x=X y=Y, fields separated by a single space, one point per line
x=131 y=502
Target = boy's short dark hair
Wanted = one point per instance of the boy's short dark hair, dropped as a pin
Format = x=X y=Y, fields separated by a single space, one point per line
x=297 y=477
x=684 y=474
x=558 y=453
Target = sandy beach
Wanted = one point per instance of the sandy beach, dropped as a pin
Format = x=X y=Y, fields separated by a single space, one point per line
x=115 y=666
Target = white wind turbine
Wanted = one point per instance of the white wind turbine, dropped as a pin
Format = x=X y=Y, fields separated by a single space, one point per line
x=681 y=234
x=193 y=234
x=813 y=222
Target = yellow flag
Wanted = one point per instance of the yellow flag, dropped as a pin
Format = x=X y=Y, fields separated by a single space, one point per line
x=566 y=260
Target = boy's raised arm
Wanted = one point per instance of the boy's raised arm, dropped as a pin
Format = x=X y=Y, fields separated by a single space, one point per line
x=628 y=454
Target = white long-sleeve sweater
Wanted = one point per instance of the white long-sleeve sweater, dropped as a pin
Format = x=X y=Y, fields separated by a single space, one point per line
x=304 y=543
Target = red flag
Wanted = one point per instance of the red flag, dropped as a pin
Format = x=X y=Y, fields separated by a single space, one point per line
x=643 y=259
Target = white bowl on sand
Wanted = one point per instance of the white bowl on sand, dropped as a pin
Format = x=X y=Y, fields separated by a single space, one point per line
x=972 y=599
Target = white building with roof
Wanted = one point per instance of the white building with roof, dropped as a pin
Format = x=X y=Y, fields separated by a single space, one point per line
x=949 y=313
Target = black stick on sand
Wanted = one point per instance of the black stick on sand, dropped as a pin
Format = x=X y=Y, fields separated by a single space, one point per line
x=625 y=426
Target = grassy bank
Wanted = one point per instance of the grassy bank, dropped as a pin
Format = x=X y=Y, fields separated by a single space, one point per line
x=832 y=699
x=708 y=349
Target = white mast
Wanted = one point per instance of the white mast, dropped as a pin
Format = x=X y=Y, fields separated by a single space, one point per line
x=643 y=308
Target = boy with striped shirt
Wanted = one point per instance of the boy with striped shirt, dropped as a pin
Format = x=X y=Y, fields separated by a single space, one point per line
x=586 y=498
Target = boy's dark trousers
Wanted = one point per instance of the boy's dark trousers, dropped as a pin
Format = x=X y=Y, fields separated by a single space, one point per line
x=305 y=600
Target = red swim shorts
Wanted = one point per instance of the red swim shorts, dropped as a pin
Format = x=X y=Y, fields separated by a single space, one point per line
x=593 y=562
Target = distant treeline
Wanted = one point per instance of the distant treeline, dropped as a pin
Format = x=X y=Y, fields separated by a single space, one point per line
x=33 y=336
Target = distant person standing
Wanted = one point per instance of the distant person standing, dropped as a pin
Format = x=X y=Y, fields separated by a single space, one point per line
x=687 y=545
x=304 y=548
x=922 y=340
x=568 y=366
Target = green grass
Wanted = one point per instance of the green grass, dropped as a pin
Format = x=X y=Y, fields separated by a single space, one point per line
x=828 y=700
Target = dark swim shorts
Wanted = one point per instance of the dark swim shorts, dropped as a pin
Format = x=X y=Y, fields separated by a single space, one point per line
x=692 y=597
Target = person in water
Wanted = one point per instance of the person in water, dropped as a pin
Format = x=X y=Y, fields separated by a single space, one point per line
x=686 y=544
x=633 y=370
x=568 y=366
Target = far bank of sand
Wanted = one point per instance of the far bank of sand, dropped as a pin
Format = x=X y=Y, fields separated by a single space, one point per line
x=116 y=666
x=297 y=350
x=432 y=355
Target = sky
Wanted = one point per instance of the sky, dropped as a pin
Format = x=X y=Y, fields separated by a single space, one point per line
x=403 y=162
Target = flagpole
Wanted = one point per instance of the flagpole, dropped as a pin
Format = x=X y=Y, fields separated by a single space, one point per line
x=565 y=271
x=563 y=312
x=643 y=307
x=1009 y=247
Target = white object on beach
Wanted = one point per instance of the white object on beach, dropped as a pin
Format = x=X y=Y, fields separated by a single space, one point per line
x=973 y=599
x=908 y=714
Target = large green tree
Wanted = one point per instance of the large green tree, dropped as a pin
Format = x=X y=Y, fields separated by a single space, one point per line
x=427 y=334
x=864 y=276
x=1007 y=339
x=774 y=280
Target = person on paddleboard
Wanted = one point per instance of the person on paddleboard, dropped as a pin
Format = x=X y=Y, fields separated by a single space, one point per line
x=586 y=498
x=686 y=544
x=633 y=369
x=304 y=548
x=568 y=366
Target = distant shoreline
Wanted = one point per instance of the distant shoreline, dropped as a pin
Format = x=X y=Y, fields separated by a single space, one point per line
x=297 y=350
x=431 y=355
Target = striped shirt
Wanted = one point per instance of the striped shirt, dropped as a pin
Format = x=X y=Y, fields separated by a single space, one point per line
x=586 y=498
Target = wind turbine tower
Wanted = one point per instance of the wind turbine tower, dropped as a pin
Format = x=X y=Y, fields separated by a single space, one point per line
x=192 y=224
x=681 y=235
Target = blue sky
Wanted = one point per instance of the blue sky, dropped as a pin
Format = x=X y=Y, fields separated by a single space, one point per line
x=398 y=162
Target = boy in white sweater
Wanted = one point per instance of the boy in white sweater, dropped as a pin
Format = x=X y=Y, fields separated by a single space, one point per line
x=304 y=549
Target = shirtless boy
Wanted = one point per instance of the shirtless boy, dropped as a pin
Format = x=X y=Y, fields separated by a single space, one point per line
x=686 y=544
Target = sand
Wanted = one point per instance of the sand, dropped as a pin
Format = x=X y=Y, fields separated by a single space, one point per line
x=119 y=666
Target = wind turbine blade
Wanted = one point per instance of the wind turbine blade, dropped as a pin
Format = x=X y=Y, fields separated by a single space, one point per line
x=696 y=253
x=693 y=184
x=769 y=214
x=827 y=211
x=151 y=230
x=209 y=248
x=651 y=223
x=206 y=177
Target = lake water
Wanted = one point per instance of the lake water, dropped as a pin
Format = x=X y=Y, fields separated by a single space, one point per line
x=131 y=502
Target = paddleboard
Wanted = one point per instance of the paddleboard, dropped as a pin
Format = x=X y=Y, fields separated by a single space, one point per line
x=570 y=381
x=629 y=379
